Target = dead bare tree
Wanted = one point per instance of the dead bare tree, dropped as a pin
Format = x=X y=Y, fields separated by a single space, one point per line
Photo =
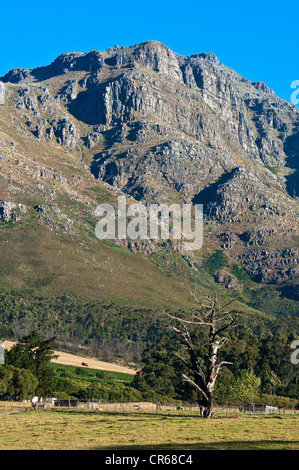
x=218 y=320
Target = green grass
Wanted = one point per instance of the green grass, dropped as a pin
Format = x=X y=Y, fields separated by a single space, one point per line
x=215 y=262
x=241 y=274
x=90 y=374
x=276 y=170
x=96 y=430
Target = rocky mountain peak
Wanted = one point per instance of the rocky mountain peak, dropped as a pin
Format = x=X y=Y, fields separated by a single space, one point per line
x=208 y=56
x=159 y=126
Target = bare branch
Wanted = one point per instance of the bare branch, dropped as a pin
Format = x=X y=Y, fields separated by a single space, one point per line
x=233 y=300
x=190 y=322
x=221 y=364
x=194 y=385
x=225 y=327
x=183 y=361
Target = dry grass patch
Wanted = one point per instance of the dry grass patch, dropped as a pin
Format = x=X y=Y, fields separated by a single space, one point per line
x=115 y=431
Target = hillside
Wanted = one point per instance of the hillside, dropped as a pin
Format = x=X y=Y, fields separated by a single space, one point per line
x=67 y=359
x=159 y=127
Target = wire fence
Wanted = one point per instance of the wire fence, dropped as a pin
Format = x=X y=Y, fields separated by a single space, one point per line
x=101 y=405
x=9 y=407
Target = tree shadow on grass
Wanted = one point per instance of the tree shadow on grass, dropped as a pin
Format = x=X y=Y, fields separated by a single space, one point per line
x=221 y=445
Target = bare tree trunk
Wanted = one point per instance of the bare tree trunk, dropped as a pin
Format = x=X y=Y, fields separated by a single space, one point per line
x=204 y=381
x=205 y=406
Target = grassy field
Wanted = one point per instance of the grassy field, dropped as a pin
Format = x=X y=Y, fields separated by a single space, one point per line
x=53 y=430
x=90 y=374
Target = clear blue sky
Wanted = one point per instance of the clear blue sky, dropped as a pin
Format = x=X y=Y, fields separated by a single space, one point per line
x=259 y=39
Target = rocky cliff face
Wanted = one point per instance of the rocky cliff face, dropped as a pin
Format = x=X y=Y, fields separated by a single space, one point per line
x=162 y=127
x=2 y=93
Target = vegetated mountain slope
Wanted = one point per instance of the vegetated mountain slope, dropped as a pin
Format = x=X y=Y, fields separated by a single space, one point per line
x=159 y=127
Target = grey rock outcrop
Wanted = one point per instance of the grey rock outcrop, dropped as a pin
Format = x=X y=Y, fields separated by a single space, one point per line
x=10 y=211
x=227 y=280
x=272 y=266
x=54 y=218
x=56 y=125
x=2 y=93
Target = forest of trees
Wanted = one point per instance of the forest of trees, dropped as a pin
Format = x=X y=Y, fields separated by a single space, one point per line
x=109 y=327
x=112 y=329
x=259 y=372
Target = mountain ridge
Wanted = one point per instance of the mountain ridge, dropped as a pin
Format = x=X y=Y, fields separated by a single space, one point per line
x=158 y=127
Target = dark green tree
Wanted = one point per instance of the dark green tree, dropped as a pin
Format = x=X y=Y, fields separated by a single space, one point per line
x=21 y=384
x=160 y=378
x=34 y=352
x=224 y=393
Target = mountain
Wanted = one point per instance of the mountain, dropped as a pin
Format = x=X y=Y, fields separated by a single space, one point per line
x=159 y=127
